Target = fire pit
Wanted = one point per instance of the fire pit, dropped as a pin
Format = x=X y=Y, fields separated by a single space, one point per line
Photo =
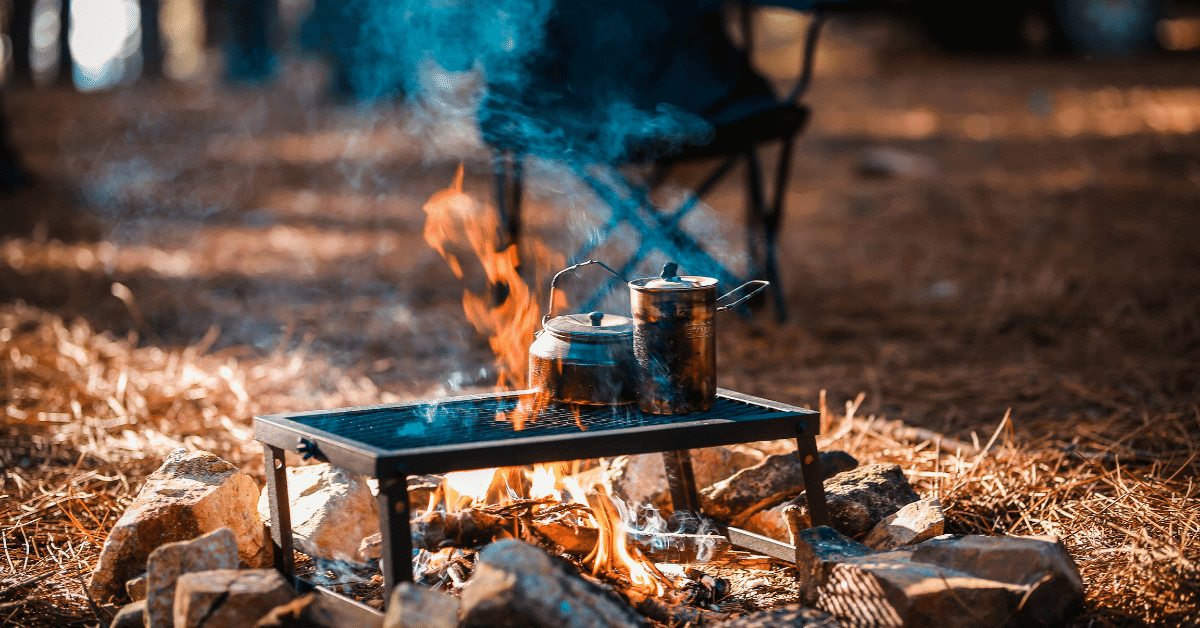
x=391 y=442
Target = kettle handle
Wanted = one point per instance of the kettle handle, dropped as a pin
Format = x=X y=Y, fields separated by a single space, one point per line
x=550 y=308
x=761 y=284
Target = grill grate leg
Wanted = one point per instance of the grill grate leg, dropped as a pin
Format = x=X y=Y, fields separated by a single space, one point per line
x=281 y=512
x=814 y=485
x=681 y=481
x=395 y=533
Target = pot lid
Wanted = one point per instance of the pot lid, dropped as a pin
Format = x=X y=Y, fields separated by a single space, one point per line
x=596 y=326
x=671 y=281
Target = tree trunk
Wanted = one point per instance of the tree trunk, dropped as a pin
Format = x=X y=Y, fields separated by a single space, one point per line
x=66 y=64
x=20 y=36
x=12 y=175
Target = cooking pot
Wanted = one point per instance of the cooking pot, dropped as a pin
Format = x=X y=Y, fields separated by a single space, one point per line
x=674 y=340
x=583 y=358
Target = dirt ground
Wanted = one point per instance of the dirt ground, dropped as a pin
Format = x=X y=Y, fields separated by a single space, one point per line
x=963 y=236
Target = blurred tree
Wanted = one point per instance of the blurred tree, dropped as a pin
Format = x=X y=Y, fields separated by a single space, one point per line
x=251 y=26
x=66 y=64
x=152 y=43
x=19 y=27
x=12 y=175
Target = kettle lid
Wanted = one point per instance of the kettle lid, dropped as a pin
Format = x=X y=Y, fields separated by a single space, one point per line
x=595 y=325
x=669 y=280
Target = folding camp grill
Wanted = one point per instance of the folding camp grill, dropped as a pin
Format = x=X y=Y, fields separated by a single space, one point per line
x=391 y=442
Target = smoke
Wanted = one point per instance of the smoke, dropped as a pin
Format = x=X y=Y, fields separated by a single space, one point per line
x=684 y=532
x=565 y=79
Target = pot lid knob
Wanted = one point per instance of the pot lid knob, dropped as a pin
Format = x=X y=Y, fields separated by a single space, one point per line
x=597 y=318
x=670 y=271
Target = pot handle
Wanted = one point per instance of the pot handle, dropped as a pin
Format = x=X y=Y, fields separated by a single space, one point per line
x=550 y=308
x=759 y=282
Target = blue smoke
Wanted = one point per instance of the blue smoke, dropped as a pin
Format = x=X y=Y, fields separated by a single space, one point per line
x=565 y=79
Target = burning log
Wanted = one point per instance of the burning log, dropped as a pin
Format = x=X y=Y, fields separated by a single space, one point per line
x=471 y=527
x=474 y=527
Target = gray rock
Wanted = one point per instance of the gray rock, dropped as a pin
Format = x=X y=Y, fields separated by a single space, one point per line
x=191 y=494
x=131 y=615
x=914 y=523
x=415 y=606
x=818 y=551
x=215 y=550
x=858 y=499
x=229 y=598
x=517 y=584
x=332 y=511
x=962 y=582
x=888 y=590
x=1039 y=564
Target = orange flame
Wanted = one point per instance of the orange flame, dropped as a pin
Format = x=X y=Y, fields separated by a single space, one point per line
x=456 y=220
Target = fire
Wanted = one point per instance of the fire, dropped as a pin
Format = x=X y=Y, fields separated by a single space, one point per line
x=547 y=489
x=456 y=220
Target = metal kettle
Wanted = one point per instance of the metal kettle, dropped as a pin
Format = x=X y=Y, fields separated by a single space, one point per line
x=583 y=358
x=674 y=339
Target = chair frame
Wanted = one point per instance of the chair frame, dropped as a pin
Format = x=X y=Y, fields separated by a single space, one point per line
x=631 y=203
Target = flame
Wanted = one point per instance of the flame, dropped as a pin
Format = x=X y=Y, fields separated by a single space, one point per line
x=543 y=483
x=613 y=552
x=455 y=220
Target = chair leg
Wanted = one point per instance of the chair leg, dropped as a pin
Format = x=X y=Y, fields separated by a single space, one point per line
x=762 y=222
x=771 y=225
x=509 y=188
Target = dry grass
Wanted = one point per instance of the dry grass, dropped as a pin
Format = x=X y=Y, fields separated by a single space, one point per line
x=88 y=416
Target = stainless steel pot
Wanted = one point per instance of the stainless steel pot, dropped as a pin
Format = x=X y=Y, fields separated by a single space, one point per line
x=583 y=358
x=674 y=340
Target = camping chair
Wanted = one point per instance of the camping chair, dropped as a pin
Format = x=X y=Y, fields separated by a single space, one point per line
x=740 y=122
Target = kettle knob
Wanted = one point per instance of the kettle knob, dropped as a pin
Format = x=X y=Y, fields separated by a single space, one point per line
x=596 y=317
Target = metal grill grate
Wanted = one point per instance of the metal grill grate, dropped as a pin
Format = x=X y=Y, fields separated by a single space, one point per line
x=467 y=421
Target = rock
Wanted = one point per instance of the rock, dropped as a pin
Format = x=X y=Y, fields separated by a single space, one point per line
x=517 y=584
x=955 y=582
x=770 y=523
x=889 y=590
x=192 y=493
x=317 y=610
x=136 y=588
x=713 y=464
x=371 y=548
x=641 y=480
x=858 y=499
x=1040 y=564
x=415 y=606
x=793 y=616
x=131 y=615
x=818 y=551
x=420 y=488
x=228 y=598
x=215 y=550
x=332 y=511
x=914 y=523
x=765 y=485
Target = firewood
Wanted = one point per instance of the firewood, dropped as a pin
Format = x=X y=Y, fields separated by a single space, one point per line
x=471 y=527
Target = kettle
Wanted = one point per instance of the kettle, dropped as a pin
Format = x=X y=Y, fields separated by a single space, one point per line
x=583 y=358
